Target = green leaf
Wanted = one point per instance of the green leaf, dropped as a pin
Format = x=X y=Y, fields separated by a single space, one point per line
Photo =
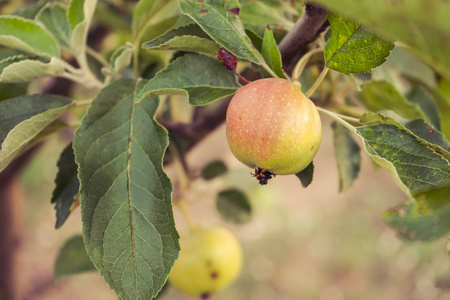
x=73 y=259
x=382 y=95
x=67 y=186
x=409 y=66
x=423 y=131
x=416 y=221
x=424 y=28
x=233 y=205
x=28 y=36
x=425 y=100
x=54 y=18
x=24 y=118
x=214 y=169
x=187 y=38
x=256 y=15
x=353 y=48
x=79 y=15
x=121 y=58
x=271 y=54
x=348 y=157
x=255 y=38
x=211 y=81
x=144 y=11
x=125 y=195
x=220 y=20
x=306 y=175
x=23 y=68
x=416 y=163
x=30 y=11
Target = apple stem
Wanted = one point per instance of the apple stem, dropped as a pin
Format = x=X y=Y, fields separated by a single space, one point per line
x=340 y=118
x=318 y=81
x=242 y=77
x=301 y=64
x=186 y=214
x=184 y=183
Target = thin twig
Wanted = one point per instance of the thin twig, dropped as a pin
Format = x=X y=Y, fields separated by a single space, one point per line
x=98 y=56
x=318 y=81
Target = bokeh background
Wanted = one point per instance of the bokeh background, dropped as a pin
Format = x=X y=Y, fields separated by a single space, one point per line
x=313 y=243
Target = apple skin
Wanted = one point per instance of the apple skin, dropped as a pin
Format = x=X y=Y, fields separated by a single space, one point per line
x=210 y=259
x=273 y=126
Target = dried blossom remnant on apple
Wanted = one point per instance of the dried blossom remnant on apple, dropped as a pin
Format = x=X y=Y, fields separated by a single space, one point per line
x=273 y=127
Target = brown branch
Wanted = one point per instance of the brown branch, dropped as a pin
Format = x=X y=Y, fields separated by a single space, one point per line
x=310 y=25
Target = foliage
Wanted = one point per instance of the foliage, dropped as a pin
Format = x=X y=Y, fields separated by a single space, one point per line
x=400 y=116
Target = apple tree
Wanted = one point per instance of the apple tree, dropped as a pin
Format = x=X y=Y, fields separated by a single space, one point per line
x=286 y=62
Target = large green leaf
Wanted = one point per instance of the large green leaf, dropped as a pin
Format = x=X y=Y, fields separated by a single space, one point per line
x=382 y=95
x=348 y=157
x=53 y=16
x=23 y=68
x=211 y=81
x=23 y=119
x=79 y=14
x=220 y=20
x=354 y=48
x=186 y=38
x=72 y=258
x=415 y=154
x=422 y=25
x=67 y=186
x=125 y=195
x=28 y=36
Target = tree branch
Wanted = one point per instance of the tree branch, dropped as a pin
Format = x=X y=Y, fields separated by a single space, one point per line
x=310 y=25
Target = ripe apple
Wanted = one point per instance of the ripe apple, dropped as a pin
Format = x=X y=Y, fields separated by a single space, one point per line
x=273 y=127
x=210 y=259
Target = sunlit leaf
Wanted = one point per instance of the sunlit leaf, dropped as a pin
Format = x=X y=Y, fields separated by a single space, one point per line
x=28 y=36
x=354 y=48
x=423 y=26
x=271 y=54
x=79 y=15
x=24 y=118
x=22 y=68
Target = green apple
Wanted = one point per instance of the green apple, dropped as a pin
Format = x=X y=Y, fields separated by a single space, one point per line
x=273 y=127
x=210 y=259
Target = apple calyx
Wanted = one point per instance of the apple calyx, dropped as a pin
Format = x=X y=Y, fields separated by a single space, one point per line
x=263 y=176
